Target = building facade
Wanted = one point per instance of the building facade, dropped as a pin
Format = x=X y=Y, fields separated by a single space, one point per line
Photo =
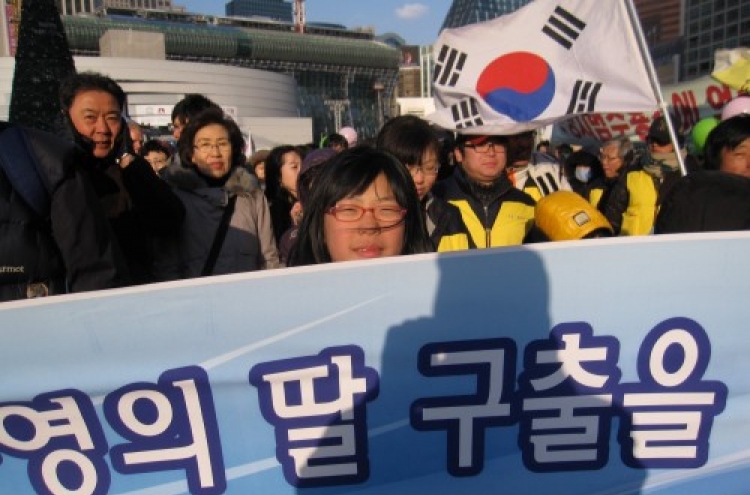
x=278 y=10
x=337 y=71
x=73 y=7
x=463 y=12
x=264 y=104
x=708 y=26
x=683 y=35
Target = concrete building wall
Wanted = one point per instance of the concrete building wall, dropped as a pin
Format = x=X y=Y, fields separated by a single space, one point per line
x=267 y=100
x=133 y=44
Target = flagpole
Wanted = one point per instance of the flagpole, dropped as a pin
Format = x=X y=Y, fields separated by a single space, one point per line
x=655 y=82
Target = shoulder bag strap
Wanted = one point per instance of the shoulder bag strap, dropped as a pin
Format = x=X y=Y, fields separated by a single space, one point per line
x=221 y=233
x=19 y=165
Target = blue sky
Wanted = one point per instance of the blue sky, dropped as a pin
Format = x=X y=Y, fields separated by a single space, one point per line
x=417 y=21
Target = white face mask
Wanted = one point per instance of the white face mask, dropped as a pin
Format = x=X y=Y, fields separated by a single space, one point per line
x=583 y=174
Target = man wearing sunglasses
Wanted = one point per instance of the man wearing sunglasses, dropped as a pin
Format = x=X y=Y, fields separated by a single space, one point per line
x=494 y=212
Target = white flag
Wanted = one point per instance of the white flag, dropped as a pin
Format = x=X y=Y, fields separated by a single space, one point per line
x=547 y=61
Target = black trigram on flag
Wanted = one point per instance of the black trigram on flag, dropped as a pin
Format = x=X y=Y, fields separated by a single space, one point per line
x=448 y=67
x=583 y=99
x=563 y=27
x=466 y=114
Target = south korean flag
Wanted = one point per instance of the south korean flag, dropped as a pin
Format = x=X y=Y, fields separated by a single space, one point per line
x=541 y=64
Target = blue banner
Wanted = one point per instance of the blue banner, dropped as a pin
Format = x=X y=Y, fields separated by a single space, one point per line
x=604 y=367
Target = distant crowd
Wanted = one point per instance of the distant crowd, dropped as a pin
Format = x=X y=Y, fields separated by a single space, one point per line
x=98 y=207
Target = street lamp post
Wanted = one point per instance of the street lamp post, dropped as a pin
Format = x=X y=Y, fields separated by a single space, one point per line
x=378 y=86
x=337 y=106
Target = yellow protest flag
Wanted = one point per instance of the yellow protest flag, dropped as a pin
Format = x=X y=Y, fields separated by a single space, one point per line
x=732 y=67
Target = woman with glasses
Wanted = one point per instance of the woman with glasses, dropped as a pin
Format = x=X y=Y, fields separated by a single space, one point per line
x=227 y=228
x=416 y=145
x=363 y=205
x=617 y=156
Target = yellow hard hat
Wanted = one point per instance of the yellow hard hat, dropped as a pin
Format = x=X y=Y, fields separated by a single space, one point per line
x=566 y=216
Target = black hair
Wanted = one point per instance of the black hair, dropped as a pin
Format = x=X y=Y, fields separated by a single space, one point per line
x=349 y=173
x=89 y=81
x=155 y=145
x=337 y=139
x=563 y=151
x=583 y=157
x=274 y=162
x=520 y=146
x=729 y=134
x=209 y=117
x=190 y=106
x=407 y=137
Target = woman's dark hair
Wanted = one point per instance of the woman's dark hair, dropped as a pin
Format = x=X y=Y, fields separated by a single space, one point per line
x=350 y=173
x=583 y=157
x=727 y=135
x=407 y=137
x=157 y=146
x=190 y=106
x=88 y=81
x=210 y=116
x=274 y=161
x=337 y=140
x=520 y=146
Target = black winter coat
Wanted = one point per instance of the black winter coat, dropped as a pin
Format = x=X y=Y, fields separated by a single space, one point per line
x=69 y=247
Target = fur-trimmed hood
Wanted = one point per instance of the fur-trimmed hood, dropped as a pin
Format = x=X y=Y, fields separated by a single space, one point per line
x=240 y=181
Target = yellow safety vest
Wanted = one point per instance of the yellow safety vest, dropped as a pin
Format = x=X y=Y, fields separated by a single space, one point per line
x=512 y=223
x=640 y=215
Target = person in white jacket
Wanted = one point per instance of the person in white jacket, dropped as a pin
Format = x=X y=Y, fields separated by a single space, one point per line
x=535 y=173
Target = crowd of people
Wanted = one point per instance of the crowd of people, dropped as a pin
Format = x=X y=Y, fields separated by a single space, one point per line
x=99 y=206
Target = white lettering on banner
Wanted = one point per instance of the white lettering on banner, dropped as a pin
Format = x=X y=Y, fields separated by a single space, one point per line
x=564 y=402
x=466 y=422
x=169 y=425
x=671 y=410
x=346 y=448
x=556 y=428
x=66 y=441
x=306 y=377
x=571 y=357
x=311 y=401
x=580 y=442
x=569 y=393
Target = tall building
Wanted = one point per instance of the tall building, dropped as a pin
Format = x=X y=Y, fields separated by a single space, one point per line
x=683 y=35
x=463 y=12
x=661 y=25
x=72 y=7
x=278 y=10
x=710 y=25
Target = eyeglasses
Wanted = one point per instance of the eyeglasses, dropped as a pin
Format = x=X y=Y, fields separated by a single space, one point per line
x=486 y=146
x=352 y=213
x=606 y=158
x=431 y=169
x=206 y=148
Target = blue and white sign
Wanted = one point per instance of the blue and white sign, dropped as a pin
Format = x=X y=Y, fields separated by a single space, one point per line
x=613 y=366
